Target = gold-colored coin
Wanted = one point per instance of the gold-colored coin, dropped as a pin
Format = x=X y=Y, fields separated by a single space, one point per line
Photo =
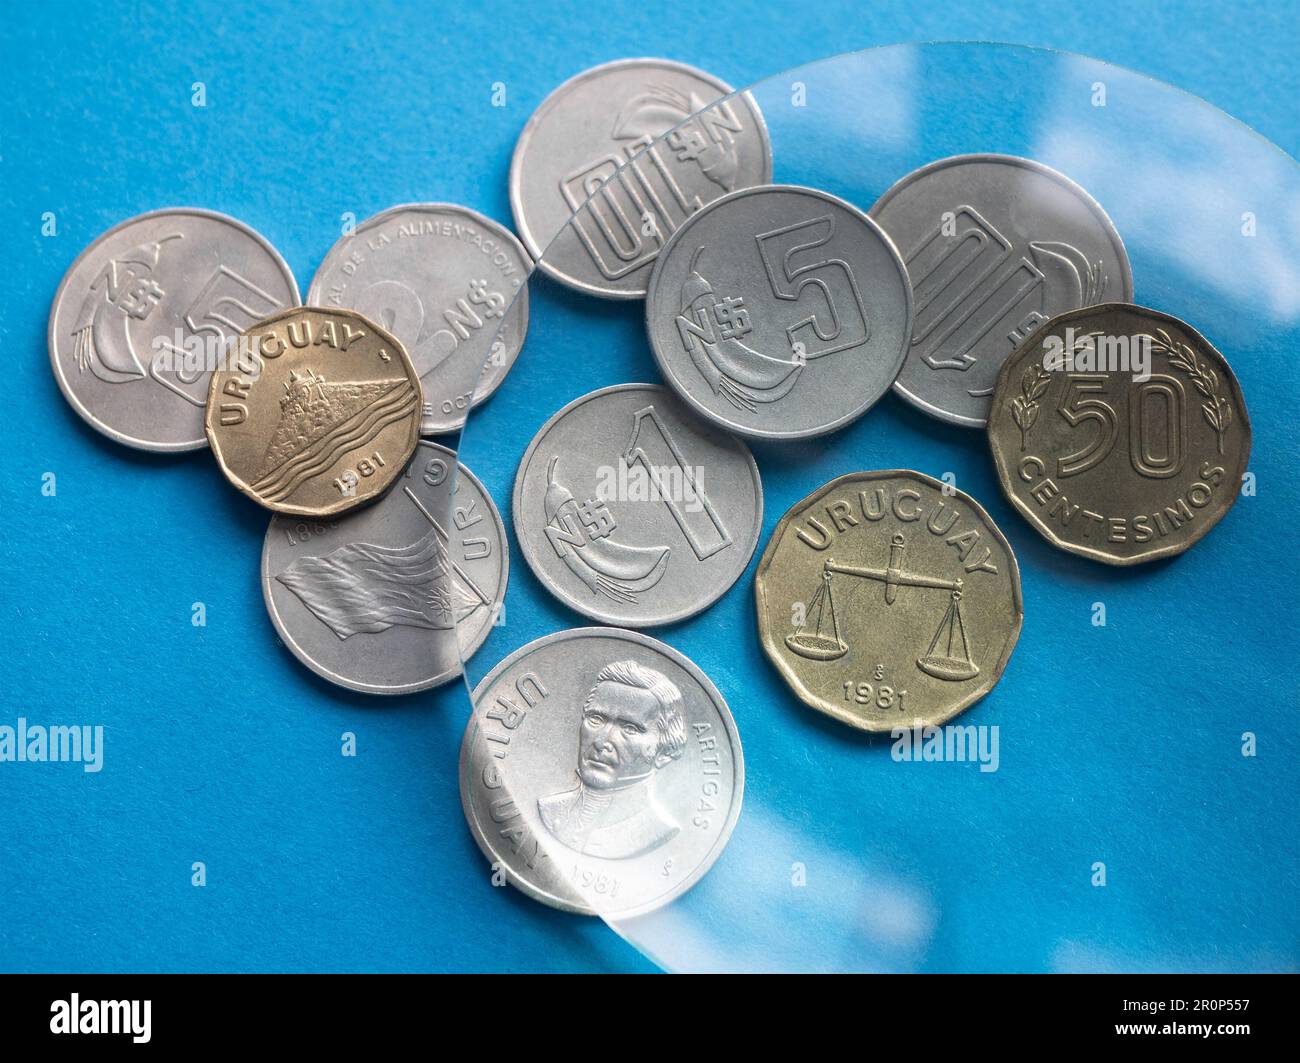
x=889 y=599
x=316 y=412
x=1119 y=433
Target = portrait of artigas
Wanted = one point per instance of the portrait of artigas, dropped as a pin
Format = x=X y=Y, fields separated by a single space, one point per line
x=633 y=727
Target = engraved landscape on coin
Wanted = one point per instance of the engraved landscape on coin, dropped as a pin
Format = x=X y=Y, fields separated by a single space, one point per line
x=320 y=420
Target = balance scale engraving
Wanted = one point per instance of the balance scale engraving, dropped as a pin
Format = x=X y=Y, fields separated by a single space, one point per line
x=948 y=656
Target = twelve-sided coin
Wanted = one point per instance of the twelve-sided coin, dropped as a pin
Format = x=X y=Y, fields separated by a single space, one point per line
x=1119 y=433
x=888 y=599
x=315 y=413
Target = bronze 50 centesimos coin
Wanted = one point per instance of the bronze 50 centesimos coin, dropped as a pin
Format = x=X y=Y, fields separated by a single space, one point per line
x=1119 y=433
x=618 y=157
x=888 y=598
x=315 y=413
x=144 y=315
x=601 y=771
x=391 y=598
x=995 y=245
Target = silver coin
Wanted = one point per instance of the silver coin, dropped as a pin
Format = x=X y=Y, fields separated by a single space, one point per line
x=601 y=771
x=446 y=281
x=145 y=313
x=779 y=312
x=995 y=246
x=594 y=218
x=634 y=512
x=391 y=598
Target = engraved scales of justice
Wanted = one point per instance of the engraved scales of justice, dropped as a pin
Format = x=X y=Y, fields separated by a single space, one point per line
x=949 y=654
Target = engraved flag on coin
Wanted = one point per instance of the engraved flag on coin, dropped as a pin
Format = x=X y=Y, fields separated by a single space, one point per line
x=389 y=599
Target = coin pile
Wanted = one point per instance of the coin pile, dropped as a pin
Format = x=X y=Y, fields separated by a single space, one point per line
x=601 y=771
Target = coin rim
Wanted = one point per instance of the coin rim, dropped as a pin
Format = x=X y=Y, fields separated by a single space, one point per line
x=526 y=546
x=664 y=365
x=551 y=101
x=51 y=340
x=791 y=677
x=520 y=296
x=1010 y=160
x=728 y=722
x=344 y=505
x=1026 y=511
x=464 y=653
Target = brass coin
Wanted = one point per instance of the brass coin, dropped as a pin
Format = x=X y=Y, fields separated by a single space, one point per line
x=315 y=412
x=889 y=599
x=1119 y=433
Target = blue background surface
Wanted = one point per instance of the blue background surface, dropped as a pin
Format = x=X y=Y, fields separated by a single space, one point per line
x=222 y=749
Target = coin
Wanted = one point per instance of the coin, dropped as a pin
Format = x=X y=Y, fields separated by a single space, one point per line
x=597 y=187
x=601 y=771
x=390 y=599
x=446 y=281
x=317 y=412
x=995 y=245
x=1119 y=433
x=634 y=512
x=779 y=312
x=143 y=315
x=888 y=599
